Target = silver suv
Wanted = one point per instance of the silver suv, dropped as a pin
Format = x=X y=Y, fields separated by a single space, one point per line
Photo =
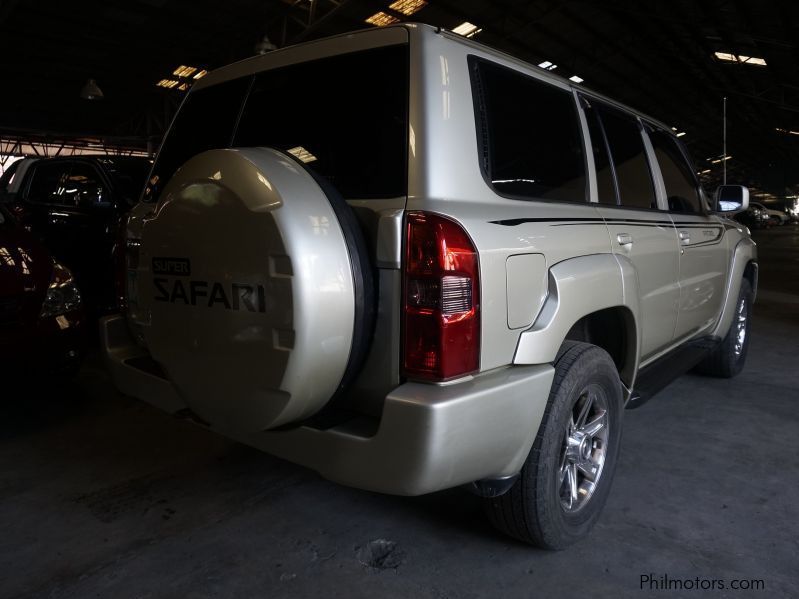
x=411 y=262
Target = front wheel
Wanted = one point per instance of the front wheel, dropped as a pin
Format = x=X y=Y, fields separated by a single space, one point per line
x=566 y=478
x=729 y=357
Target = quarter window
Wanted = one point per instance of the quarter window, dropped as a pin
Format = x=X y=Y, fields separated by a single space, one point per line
x=530 y=135
x=682 y=190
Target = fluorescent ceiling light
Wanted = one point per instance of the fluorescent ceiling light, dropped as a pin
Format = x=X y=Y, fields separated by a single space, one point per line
x=183 y=87
x=380 y=19
x=727 y=57
x=302 y=154
x=576 y=79
x=548 y=65
x=408 y=7
x=681 y=133
x=704 y=172
x=787 y=131
x=167 y=83
x=717 y=160
x=200 y=74
x=467 y=29
x=184 y=71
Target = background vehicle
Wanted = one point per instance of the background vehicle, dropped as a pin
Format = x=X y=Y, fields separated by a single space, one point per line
x=74 y=205
x=477 y=288
x=753 y=217
x=41 y=320
x=776 y=217
x=12 y=177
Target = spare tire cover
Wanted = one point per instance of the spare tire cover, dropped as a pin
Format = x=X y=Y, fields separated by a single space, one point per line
x=247 y=278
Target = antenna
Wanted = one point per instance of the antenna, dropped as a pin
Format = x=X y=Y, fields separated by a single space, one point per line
x=724 y=155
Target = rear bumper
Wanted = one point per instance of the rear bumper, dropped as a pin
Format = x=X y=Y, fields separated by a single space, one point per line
x=430 y=437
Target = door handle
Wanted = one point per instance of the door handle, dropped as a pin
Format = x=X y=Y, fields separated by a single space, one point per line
x=624 y=239
x=685 y=237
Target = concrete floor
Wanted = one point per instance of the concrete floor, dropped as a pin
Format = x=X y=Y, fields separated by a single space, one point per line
x=102 y=496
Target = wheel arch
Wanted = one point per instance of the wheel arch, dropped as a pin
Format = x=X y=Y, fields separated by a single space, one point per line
x=743 y=266
x=591 y=298
x=614 y=330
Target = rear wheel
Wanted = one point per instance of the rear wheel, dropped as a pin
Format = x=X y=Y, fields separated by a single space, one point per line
x=566 y=478
x=729 y=357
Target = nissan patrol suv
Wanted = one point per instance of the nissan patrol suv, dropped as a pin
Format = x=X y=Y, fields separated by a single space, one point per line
x=410 y=262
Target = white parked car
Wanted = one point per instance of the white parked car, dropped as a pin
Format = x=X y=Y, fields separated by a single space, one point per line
x=777 y=217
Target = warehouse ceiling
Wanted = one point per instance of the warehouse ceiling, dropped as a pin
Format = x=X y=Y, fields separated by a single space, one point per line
x=674 y=59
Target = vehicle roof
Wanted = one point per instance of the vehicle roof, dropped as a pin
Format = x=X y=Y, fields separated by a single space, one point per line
x=256 y=64
x=542 y=73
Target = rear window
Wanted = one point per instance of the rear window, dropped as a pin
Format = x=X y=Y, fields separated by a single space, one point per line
x=344 y=116
x=529 y=134
x=205 y=121
x=8 y=176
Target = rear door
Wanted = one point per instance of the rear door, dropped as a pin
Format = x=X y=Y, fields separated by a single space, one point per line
x=639 y=231
x=703 y=251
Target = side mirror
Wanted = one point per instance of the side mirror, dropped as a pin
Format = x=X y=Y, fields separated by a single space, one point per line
x=731 y=199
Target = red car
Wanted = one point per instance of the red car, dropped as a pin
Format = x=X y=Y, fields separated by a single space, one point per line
x=41 y=316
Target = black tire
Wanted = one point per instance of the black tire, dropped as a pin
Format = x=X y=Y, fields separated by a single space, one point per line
x=726 y=360
x=533 y=510
x=363 y=275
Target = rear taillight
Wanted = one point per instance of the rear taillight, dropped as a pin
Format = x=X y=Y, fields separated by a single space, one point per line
x=441 y=320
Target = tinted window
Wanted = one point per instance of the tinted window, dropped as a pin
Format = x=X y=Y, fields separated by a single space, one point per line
x=84 y=188
x=530 y=135
x=606 y=186
x=630 y=163
x=345 y=116
x=682 y=189
x=48 y=181
x=128 y=175
x=5 y=218
x=205 y=121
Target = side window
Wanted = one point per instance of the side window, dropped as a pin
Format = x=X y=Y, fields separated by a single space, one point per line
x=530 y=135
x=48 y=182
x=633 y=177
x=682 y=189
x=205 y=121
x=606 y=186
x=84 y=188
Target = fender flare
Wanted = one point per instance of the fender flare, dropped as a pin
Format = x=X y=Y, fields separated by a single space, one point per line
x=745 y=253
x=579 y=287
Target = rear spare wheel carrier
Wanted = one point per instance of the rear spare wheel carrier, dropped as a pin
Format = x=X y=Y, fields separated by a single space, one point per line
x=256 y=280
